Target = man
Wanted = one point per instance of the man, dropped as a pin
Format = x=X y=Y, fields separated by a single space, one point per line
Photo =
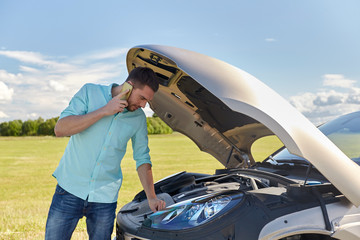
x=89 y=176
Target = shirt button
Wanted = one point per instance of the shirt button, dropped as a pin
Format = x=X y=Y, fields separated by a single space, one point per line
x=98 y=164
x=104 y=148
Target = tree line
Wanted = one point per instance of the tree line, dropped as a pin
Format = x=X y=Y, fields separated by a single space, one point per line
x=41 y=127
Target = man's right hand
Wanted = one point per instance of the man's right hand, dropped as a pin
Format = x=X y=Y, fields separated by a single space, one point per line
x=116 y=104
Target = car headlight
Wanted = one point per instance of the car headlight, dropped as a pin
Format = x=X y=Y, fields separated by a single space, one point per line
x=192 y=212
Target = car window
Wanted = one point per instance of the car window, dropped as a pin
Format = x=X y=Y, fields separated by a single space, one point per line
x=348 y=139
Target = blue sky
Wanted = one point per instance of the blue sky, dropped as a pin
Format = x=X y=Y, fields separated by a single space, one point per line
x=308 y=51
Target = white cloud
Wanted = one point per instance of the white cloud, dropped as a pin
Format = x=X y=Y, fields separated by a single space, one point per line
x=10 y=77
x=328 y=103
x=6 y=93
x=44 y=85
x=32 y=116
x=3 y=115
x=26 y=57
x=329 y=98
x=337 y=80
x=303 y=102
x=58 y=87
x=354 y=96
x=270 y=40
x=29 y=69
x=38 y=59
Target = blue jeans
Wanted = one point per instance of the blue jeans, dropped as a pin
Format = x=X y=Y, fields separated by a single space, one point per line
x=66 y=210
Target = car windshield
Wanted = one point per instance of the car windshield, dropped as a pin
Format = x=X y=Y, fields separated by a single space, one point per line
x=344 y=132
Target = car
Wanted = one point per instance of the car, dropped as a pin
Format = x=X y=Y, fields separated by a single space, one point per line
x=309 y=189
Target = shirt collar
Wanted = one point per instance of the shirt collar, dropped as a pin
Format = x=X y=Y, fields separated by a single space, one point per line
x=110 y=88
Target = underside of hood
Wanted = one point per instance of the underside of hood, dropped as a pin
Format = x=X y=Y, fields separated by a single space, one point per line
x=187 y=106
x=224 y=110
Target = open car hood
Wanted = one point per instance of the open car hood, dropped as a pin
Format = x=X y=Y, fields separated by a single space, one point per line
x=224 y=110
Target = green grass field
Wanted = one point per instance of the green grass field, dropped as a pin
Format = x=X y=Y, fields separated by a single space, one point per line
x=26 y=184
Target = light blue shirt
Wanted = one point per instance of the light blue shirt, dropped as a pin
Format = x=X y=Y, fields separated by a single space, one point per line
x=90 y=167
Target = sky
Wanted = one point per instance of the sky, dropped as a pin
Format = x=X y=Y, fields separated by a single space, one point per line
x=306 y=50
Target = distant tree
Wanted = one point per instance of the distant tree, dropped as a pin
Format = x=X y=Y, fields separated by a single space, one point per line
x=30 y=128
x=150 y=127
x=4 y=129
x=39 y=120
x=157 y=126
x=47 y=127
x=15 y=128
x=165 y=129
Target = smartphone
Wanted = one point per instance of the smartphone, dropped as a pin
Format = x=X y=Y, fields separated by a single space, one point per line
x=125 y=87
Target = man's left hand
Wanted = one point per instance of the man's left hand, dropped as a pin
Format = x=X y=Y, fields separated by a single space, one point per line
x=156 y=204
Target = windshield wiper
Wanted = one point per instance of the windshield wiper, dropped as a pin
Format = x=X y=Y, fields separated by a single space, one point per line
x=291 y=162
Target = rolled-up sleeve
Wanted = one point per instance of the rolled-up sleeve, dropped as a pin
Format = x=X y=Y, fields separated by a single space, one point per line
x=140 y=145
x=78 y=104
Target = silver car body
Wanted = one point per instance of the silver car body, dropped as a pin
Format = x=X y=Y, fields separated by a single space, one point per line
x=245 y=94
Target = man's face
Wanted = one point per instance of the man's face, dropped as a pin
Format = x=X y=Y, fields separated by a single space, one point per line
x=139 y=97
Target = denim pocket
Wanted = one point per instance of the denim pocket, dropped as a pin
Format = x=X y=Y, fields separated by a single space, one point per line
x=59 y=190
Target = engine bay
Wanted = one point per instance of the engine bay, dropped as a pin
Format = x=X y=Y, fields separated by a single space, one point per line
x=252 y=192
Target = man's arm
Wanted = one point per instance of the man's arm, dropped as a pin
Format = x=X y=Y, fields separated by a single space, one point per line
x=146 y=179
x=74 y=124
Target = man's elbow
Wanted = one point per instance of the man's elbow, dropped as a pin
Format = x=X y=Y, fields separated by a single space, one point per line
x=58 y=130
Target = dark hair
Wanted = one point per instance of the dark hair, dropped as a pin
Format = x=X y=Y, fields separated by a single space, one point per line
x=142 y=76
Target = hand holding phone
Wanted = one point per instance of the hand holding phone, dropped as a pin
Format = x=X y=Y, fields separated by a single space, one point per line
x=125 y=87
